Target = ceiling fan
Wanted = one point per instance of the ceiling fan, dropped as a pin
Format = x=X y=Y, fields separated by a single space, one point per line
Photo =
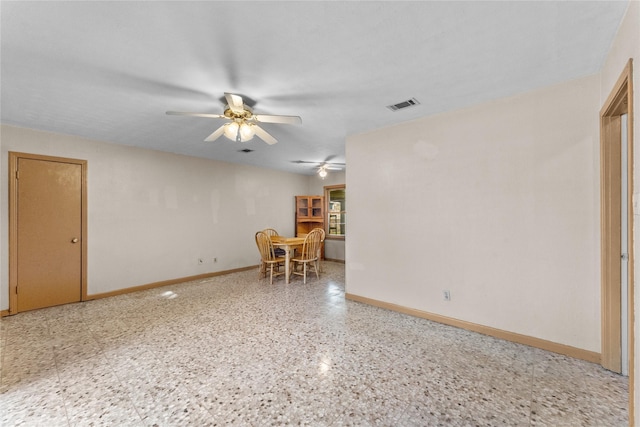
x=323 y=167
x=243 y=124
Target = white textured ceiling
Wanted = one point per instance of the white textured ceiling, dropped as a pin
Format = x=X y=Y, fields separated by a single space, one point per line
x=109 y=70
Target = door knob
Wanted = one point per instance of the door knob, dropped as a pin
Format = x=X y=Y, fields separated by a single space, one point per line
x=74 y=240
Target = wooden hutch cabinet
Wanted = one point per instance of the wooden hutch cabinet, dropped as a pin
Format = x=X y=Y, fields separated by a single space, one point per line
x=309 y=214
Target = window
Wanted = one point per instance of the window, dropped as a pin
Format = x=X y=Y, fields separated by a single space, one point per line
x=335 y=197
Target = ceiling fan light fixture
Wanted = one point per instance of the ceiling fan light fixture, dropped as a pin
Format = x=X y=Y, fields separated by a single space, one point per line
x=231 y=130
x=245 y=129
x=322 y=172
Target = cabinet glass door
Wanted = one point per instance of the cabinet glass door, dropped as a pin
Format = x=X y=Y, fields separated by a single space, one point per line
x=303 y=207
x=316 y=207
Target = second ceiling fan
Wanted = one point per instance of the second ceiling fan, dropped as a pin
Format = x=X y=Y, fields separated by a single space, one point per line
x=324 y=166
x=243 y=123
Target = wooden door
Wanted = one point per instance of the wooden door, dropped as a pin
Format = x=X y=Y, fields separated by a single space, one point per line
x=49 y=211
x=619 y=103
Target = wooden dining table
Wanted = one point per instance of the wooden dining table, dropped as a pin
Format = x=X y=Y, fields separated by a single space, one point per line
x=289 y=244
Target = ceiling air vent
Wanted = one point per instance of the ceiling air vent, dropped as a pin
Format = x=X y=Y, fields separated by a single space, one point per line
x=404 y=104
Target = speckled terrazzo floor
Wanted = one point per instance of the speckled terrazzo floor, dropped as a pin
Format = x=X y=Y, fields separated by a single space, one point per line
x=234 y=350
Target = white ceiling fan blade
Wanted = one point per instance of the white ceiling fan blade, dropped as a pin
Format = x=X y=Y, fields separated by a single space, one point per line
x=216 y=134
x=264 y=135
x=184 y=113
x=330 y=167
x=235 y=102
x=287 y=120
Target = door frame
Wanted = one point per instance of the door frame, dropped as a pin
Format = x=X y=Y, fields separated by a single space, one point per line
x=13 y=223
x=619 y=101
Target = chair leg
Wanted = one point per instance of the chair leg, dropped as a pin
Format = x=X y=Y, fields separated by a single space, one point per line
x=262 y=271
x=304 y=269
x=271 y=277
x=318 y=263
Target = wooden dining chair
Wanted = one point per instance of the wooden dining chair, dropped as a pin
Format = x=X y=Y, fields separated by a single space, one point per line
x=309 y=256
x=319 y=260
x=272 y=232
x=268 y=259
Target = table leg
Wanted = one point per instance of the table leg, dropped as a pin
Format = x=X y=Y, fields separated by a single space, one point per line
x=287 y=260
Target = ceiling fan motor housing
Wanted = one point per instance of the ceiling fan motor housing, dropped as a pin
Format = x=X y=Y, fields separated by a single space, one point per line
x=246 y=114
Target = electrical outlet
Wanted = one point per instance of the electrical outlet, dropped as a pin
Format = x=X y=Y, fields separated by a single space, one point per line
x=446 y=295
x=200 y=261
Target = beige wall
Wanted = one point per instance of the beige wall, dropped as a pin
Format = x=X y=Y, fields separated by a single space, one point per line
x=497 y=203
x=626 y=46
x=151 y=215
